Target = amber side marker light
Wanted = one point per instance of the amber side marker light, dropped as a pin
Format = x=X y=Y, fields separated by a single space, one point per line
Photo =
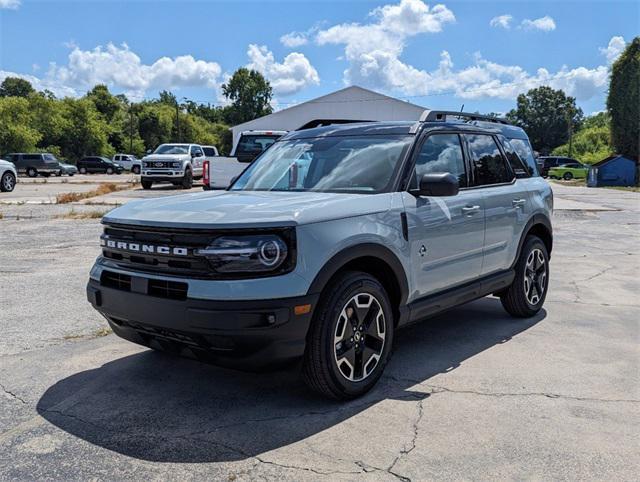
x=302 y=309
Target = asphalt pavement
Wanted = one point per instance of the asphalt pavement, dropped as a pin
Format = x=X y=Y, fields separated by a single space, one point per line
x=469 y=394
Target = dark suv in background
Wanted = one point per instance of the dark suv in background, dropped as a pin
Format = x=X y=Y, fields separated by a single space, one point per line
x=547 y=162
x=96 y=164
x=34 y=164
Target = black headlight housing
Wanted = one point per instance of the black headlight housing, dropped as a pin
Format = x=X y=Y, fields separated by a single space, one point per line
x=247 y=254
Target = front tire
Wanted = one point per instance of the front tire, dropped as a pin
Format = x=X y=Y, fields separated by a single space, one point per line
x=8 y=182
x=83 y=170
x=136 y=169
x=350 y=338
x=526 y=295
x=109 y=170
x=32 y=172
x=567 y=176
x=187 y=180
x=146 y=184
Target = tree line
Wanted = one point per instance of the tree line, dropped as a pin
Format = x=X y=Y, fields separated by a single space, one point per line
x=101 y=123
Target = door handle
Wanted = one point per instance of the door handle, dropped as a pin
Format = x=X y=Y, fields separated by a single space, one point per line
x=518 y=203
x=469 y=210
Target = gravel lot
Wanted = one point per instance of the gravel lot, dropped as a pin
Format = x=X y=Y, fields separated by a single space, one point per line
x=470 y=394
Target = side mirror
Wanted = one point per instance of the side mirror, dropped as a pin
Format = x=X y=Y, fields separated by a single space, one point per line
x=148 y=151
x=438 y=184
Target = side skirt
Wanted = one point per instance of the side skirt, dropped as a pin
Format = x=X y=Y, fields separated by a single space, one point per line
x=436 y=303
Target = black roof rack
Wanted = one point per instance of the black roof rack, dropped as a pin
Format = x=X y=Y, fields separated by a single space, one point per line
x=441 y=116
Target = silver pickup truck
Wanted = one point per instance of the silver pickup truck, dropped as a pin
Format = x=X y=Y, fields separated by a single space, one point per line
x=178 y=164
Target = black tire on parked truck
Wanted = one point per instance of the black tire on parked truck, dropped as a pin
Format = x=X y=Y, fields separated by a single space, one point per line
x=187 y=180
x=526 y=295
x=350 y=338
x=146 y=183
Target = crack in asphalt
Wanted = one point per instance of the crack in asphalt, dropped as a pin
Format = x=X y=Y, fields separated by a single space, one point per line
x=414 y=440
x=12 y=394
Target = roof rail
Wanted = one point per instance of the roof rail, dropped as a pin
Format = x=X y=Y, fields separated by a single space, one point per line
x=441 y=116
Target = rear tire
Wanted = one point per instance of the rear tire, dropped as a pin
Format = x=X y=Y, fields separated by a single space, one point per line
x=83 y=170
x=109 y=170
x=526 y=295
x=8 y=182
x=350 y=338
x=187 y=180
x=32 y=172
x=567 y=176
x=146 y=184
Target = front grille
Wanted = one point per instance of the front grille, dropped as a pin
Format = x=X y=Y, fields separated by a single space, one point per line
x=172 y=290
x=185 y=263
x=158 y=164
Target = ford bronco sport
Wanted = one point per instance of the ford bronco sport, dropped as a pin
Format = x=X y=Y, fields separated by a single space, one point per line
x=332 y=239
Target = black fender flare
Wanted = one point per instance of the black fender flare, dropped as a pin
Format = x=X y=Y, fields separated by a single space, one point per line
x=536 y=219
x=342 y=258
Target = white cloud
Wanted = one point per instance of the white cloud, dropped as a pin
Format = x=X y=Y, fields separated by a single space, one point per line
x=372 y=50
x=122 y=69
x=502 y=21
x=294 y=39
x=293 y=74
x=12 y=4
x=614 y=49
x=546 y=24
x=58 y=89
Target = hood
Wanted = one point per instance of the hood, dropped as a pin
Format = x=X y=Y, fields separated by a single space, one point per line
x=238 y=209
x=165 y=157
x=6 y=163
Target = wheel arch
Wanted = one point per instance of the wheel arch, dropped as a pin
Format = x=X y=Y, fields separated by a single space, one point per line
x=374 y=259
x=539 y=225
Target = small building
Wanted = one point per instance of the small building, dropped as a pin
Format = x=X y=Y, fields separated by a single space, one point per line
x=351 y=103
x=612 y=171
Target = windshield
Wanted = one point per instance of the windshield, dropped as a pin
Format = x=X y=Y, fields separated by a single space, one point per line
x=171 y=149
x=49 y=158
x=254 y=143
x=327 y=164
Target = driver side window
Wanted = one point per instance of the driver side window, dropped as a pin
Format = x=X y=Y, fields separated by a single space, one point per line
x=441 y=153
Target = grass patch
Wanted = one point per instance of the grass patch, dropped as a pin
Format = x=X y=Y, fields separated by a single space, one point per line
x=99 y=333
x=102 y=189
x=73 y=214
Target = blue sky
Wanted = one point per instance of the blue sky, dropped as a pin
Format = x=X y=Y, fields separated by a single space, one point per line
x=481 y=54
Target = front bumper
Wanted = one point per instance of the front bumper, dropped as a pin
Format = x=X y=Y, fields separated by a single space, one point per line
x=163 y=174
x=252 y=335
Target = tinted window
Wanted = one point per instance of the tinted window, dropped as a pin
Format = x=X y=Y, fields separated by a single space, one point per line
x=255 y=143
x=209 y=151
x=517 y=164
x=441 y=153
x=196 y=150
x=490 y=167
x=524 y=150
x=32 y=157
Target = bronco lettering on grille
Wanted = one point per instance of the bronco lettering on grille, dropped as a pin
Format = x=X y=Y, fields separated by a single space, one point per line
x=144 y=248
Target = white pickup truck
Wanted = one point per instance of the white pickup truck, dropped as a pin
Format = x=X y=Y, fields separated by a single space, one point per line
x=129 y=162
x=178 y=164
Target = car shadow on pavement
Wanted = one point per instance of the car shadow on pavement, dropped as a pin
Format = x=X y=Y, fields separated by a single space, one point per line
x=156 y=407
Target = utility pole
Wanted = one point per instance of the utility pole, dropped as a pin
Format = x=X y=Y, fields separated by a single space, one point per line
x=178 y=120
x=130 y=128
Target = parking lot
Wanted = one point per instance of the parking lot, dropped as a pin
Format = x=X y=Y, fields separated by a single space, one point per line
x=471 y=393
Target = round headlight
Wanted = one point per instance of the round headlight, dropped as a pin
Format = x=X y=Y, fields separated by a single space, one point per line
x=270 y=252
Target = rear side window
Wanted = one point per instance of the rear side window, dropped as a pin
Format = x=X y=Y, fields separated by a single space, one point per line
x=441 y=153
x=489 y=165
x=518 y=166
x=195 y=150
x=524 y=150
x=32 y=157
x=209 y=151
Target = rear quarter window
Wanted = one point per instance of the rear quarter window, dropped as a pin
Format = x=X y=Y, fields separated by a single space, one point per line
x=525 y=152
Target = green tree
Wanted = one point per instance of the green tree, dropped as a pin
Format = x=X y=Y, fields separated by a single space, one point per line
x=548 y=117
x=85 y=131
x=16 y=133
x=592 y=142
x=623 y=101
x=106 y=103
x=15 y=87
x=250 y=95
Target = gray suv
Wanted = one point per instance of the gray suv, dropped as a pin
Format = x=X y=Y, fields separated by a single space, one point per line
x=34 y=164
x=330 y=241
